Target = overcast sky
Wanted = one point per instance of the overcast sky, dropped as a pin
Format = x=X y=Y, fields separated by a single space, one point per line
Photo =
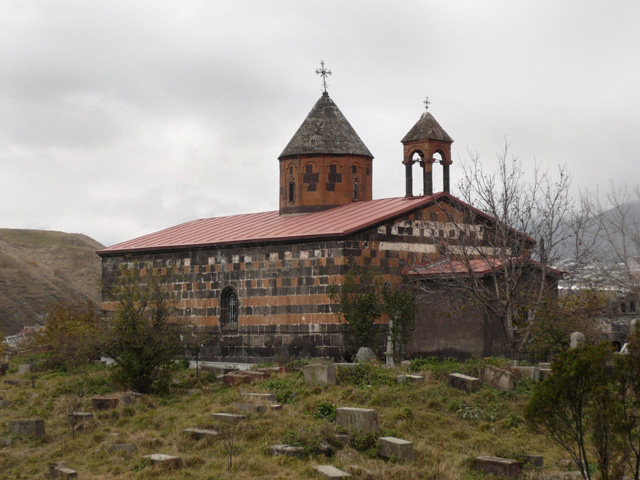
x=120 y=118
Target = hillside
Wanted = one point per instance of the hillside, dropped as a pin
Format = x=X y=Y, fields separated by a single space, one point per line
x=38 y=268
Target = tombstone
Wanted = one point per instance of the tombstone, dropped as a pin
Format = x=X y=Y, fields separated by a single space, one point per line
x=26 y=368
x=464 y=382
x=286 y=450
x=250 y=407
x=105 y=403
x=123 y=447
x=231 y=379
x=320 y=374
x=59 y=470
x=325 y=449
x=161 y=459
x=501 y=467
x=261 y=397
x=200 y=433
x=536 y=461
x=34 y=427
x=365 y=354
x=544 y=373
x=361 y=419
x=499 y=378
x=331 y=473
x=392 y=447
x=576 y=339
x=231 y=418
x=130 y=398
x=529 y=372
x=415 y=378
x=401 y=379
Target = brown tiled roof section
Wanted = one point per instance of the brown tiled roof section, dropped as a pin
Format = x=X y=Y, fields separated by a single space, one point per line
x=325 y=131
x=427 y=128
x=271 y=227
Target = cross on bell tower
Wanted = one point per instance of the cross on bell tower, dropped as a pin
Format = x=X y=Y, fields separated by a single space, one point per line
x=323 y=72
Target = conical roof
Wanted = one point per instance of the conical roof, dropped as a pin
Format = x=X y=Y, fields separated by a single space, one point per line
x=325 y=131
x=427 y=128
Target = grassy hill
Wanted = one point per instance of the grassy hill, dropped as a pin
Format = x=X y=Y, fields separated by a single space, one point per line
x=40 y=267
x=448 y=427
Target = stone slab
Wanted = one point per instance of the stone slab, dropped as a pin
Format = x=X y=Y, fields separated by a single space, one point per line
x=12 y=381
x=529 y=372
x=331 y=473
x=360 y=419
x=105 y=403
x=200 y=433
x=26 y=368
x=276 y=407
x=261 y=397
x=164 y=460
x=33 y=427
x=231 y=379
x=401 y=379
x=397 y=448
x=464 y=382
x=60 y=470
x=250 y=408
x=544 y=373
x=535 y=460
x=415 y=378
x=499 y=378
x=232 y=418
x=366 y=354
x=544 y=365
x=320 y=375
x=123 y=447
x=501 y=467
x=286 y=450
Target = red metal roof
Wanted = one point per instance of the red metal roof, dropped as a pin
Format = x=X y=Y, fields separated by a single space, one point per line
x=483 y=266
x=271 y=227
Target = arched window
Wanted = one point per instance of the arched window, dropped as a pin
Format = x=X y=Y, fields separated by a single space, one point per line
x=292 y=192
x=356 y=189
x=229 y=310
x=623 y=307
x=632 y=306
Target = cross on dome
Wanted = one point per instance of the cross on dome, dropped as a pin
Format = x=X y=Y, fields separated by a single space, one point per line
x=323 y=72
x=426 y=103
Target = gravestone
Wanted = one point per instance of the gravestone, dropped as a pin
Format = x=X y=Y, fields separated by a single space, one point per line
x=529 y=372
x=169 y=461
x=250 y=407
x=231 y=379
x=105 y=403
x=392 y=447
x=34 y=427
x=320 y=374
x=536 y=461
x=501 y=467
x=401 y=379
x=331 y=473
x=261 y=397
x=130 y=398
x=576 y=339
x=415 y=378
x=499 y=378
x=286 y=450
x=123 y=447
x=464 y=382
x=365 y=354
x=60 y=470
x=26 y=368
x=200 y=433
x=361 y=419
x=544 y=373
x=231 y=418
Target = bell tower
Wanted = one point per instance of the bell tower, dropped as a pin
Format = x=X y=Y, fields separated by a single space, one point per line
x=325 y=164
x=426 y=144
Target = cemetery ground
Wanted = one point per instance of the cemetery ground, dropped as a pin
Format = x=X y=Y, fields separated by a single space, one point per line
x=448 y=427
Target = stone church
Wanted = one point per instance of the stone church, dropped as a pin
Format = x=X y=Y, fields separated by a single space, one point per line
x=258 y=283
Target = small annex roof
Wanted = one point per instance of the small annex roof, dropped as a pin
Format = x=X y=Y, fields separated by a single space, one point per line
x=459 y=268
x=325 y=131
x=427 y=128
x=269 y=227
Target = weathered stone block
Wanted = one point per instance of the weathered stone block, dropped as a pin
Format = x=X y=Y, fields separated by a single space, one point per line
x=12 y=381
x=544 y=365
x=501 y=467
x=5 y=403
x=33 y=427
x=169 y=461
x=464 y=382
x=286 y=450
x=276 y=407
x=59 y=470
x=392 y=447
x=576 y=339
x=544 y=373
x=361 y=419
x=320 y=374
x=232 y=418
x=232 y=379
x=130 y=398
x=200 y=433
x=331 y=473
x=401 y=379
x=535 y=460
x=365 y=354
x=529 y=372
x=250 y=407
x=261 y=397
x=499 y=378
x=26 y=368
x=105 y=403
x=123 y=447
x=415 y=378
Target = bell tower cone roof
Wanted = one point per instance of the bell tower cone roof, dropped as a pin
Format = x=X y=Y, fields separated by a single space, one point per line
x=427 y=128
x=325 y=131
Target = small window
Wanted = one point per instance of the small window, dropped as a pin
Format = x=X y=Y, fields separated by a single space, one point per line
x=623 y=307
x=229 y=310
x=292 y=191
x=632 y=306
x=356 y=189
x=290 y=170
x=354 y=169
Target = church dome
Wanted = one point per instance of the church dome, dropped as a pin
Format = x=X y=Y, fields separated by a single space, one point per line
x=325 y=131
x=427 y=128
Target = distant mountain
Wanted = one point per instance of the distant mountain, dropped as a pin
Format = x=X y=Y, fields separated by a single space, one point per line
x=40 y=267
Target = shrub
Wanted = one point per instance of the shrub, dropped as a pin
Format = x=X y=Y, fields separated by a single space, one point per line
x=326 y=410
x=366 y=374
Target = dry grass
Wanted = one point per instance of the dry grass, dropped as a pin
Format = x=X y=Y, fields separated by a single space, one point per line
x=429 y=414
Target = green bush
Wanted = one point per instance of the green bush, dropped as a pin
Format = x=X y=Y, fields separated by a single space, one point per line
x=365 y=375
x=326 y=410
x=287 y=388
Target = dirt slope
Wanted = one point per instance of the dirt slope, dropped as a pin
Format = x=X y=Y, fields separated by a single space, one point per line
x=40 y=267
